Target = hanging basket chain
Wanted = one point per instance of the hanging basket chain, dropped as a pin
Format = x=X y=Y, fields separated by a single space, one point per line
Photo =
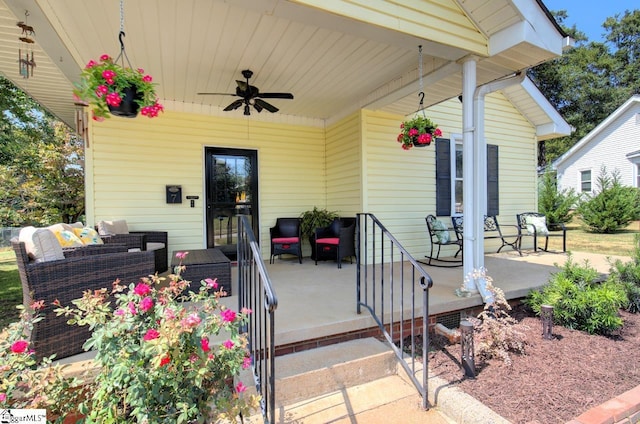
x=421 y=83
x=123 y=54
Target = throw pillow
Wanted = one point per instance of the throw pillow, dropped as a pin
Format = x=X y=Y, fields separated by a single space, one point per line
x=88 y=235
x=113 y=227
x=440 y=231
x=537 y=224
x=41 y=244
x=67 y=238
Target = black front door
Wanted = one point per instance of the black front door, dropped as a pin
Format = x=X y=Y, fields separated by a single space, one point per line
x=232 y=189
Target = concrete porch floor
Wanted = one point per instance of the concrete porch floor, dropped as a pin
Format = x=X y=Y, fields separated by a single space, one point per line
x=315 y=302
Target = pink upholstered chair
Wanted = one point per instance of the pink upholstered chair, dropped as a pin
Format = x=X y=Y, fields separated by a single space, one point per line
x=286 y=238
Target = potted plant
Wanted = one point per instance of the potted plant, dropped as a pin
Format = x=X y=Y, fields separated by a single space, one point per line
x=419 y=131
x=109 y=87
x=312 y=219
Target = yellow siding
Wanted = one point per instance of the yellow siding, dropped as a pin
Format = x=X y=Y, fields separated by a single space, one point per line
x=441 y=21
x=355 y=165
x=129 y=163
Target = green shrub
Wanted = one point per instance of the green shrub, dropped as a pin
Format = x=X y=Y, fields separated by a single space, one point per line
x=628 y=274
x=579 y=302
x=555 y=205
x=614 y=207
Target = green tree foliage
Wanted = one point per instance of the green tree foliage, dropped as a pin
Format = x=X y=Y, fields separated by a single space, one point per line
x=588 y=82
x=41 y=164
x=613 y=207
x=555 y=205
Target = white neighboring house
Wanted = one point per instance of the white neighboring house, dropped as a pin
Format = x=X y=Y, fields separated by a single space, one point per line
x=614 y=143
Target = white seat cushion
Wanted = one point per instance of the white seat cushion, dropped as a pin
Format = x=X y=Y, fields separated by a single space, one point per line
x=155 y=246
x=41 y=244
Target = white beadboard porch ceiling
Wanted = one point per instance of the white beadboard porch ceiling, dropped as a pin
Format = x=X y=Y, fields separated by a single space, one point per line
x=332 y=64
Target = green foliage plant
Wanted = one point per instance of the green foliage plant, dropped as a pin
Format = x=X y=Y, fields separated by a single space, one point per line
x=628 y=274
x=555 y=204
x=497 y=333
x=580 y=301
x=316 y=218
x=27 y=384
x=157 y=359
x=613 y=207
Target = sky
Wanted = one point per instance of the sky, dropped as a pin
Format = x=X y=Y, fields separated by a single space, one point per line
x=588 y=15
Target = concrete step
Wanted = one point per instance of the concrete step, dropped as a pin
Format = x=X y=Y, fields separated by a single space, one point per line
x=311 y=373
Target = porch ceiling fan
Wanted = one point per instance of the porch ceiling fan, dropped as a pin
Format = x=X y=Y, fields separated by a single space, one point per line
x=251 y=96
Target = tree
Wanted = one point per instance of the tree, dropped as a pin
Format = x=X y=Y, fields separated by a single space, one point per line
x=613 y=207
x=555 y=205
x=587 y=83
x=41 y=164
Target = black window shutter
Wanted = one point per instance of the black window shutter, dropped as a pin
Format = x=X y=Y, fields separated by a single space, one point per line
x=443 y=177
x=493 y=198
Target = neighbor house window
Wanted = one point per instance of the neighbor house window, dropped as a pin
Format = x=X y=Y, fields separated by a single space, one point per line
x=449 y=180
x=585 y=181
x=638 y=175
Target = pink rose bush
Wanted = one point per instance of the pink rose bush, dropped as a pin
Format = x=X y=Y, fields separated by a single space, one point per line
x=183 y=352
x=102 y=84
x=419 y=131
x=25 y=383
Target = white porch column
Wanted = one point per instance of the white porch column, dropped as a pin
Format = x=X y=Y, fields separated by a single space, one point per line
x=469 y=204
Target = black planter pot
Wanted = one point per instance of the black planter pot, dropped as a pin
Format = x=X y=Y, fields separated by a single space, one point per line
x=128 y=107
x=416 y=144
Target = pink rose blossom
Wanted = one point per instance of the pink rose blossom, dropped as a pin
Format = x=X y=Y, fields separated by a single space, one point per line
x=229 y=344
x=413 y=132
x=105 y=57
x=91 y=64
x=19 y=346
x=113 y=99
x=140 y=71
x=400 y=137
x=204 y=342
x=228 y=315
x=119 y=312
x=212 y=284
x=406 y=146
x=147 y=78
x=191 y=321
x=246 y=362
x=132 y=308
x=108 y=74
x=151 y=334
x=146 y=304
x=402 y=125
x=142 y=289
x=437 y=132
x=3 y=397
x=181 y=255
x=165 y=360
x=240 y=387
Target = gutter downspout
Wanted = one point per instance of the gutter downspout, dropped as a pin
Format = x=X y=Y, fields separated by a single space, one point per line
x=479 y=181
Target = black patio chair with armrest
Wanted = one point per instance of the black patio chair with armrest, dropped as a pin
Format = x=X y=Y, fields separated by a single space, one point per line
x=535 y=224
x=286 y=238
x=441 y=235
x=492 y=230
x=91 y=268
x=336 y=241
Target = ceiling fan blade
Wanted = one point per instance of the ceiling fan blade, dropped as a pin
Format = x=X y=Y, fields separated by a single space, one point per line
x=271 y=108
x=257 y=107
x=234 y=105
x=276 y=95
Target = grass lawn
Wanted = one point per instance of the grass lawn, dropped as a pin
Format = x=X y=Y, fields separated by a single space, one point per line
x=620 y=243
x=10 y=289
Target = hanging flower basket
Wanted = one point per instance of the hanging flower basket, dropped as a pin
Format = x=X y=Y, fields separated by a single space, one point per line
x=103 y=85
x=419 y=132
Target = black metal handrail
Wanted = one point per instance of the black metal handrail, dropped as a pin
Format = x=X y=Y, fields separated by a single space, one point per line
x=255 y=292
x=386 y=275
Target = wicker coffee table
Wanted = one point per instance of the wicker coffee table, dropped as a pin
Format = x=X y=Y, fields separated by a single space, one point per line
x=205 y=263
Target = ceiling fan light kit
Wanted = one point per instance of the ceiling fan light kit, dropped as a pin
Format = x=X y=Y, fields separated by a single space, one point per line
x=251 y=96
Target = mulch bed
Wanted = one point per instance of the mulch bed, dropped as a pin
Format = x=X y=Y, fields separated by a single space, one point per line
x=556 y=380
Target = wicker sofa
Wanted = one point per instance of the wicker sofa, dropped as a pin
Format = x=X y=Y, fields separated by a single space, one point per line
x=86 y=268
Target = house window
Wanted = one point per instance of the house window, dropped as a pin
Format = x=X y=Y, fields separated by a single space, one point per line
x=456 y=180
x=449 y=170
x=585 y=181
